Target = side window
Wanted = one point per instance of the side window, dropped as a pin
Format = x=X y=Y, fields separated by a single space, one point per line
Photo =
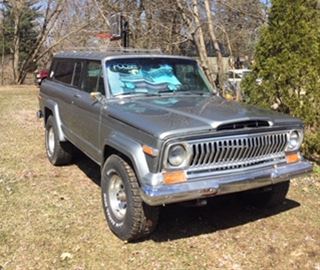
x=93 y=78
x=76 y=79
x=63 y=71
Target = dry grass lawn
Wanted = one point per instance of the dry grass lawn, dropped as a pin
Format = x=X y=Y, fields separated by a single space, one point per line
x=51 y=217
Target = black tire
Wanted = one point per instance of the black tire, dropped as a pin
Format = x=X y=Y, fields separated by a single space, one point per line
x=127 y=215
x=266 y=197
x=58 y=153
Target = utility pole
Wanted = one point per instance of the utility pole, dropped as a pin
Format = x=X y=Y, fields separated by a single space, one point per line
x=125 y=32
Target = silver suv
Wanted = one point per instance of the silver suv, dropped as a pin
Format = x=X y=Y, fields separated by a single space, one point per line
x=162 y=135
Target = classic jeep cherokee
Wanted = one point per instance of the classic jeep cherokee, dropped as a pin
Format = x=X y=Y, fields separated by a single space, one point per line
x=162 y=135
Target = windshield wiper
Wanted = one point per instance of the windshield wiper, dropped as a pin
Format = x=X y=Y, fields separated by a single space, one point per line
x=185 y=92
x=202 y=93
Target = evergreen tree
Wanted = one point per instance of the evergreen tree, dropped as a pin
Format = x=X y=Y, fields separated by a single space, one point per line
x=27 y=28
x=287 y=60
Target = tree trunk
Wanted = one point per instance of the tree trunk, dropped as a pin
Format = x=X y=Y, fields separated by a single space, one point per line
x=3 y=51
x=149 y=30
x=16 y=46
x=230 y=60
x=200 y=43
x=170 y=46
x=216 y=46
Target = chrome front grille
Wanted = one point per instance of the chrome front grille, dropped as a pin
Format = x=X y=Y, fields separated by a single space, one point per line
x=237 y=151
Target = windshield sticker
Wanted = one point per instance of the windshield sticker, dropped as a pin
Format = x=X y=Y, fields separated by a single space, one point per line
x=128 y=77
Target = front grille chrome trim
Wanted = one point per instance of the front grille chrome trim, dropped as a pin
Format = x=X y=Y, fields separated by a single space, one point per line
x=237 y=151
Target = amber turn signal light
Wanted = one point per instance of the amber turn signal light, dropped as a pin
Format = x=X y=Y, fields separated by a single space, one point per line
x=292 y=157
x=150 y=151
x=174 y=177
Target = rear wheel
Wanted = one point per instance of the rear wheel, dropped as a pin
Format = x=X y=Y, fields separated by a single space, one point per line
x=267 y=196
x=58 y=153
x=127 y=215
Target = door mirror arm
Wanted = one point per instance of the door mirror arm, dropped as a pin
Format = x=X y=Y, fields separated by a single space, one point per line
x=97 y=96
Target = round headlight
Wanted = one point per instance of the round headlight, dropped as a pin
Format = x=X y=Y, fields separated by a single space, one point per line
x=295 y=139
x=177 y=155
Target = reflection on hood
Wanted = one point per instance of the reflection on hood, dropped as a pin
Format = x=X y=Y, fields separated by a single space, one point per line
x=162 y=116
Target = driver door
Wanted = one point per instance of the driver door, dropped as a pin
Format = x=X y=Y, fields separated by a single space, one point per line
x=87 y=111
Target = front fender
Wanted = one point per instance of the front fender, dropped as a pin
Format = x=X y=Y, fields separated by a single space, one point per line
x=131 y=149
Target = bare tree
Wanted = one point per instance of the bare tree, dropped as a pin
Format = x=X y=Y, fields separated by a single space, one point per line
x=194 y=30
x=51 y=17
x=168 y=25
x=17 y=10
x=200 y=42
x=215 y=45
x=240 y=20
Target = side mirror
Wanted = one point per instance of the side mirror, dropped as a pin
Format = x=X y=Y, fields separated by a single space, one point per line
x=97 y=96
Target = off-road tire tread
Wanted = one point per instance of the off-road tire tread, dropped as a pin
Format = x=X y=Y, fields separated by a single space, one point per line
x=145 y=217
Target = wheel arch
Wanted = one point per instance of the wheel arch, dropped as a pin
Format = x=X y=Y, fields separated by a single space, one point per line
x=51 y=108
x=110 y=150
x=47 y=112
x=129 y=150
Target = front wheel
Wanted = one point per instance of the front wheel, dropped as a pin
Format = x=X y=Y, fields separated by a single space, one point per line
x=267 y=196
x=127 y=215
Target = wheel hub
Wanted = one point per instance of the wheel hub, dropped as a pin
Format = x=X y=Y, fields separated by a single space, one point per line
x=50 y=141
x=117 y=197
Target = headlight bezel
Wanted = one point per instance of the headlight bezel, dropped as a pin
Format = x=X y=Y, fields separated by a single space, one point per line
x=292 y=147
x=186 y=158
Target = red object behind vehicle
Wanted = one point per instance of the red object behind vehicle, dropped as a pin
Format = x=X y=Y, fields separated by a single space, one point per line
x=41 y=75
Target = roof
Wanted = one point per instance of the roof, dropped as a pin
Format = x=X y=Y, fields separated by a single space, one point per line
x=100 y=55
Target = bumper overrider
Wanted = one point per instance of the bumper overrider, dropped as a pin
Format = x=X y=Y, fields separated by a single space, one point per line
x=213 y=185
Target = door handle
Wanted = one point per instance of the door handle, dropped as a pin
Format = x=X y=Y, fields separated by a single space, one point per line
x=77 y=96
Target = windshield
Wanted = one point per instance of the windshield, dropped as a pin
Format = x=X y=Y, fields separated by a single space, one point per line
x=155 y=76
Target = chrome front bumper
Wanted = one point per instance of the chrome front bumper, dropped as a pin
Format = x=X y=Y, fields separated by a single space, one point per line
x=209 y=186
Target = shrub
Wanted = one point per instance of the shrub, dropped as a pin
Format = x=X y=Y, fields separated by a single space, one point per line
x=287 y=61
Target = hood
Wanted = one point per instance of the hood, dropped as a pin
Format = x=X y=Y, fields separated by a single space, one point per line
x=165 y=116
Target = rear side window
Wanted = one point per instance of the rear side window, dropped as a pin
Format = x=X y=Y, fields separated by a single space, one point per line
x=63 y=71
x=93 y=78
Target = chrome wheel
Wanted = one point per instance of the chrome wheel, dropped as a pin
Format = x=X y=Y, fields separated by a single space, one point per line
x=127 y=215
x=50 y=141
x=117 y=197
